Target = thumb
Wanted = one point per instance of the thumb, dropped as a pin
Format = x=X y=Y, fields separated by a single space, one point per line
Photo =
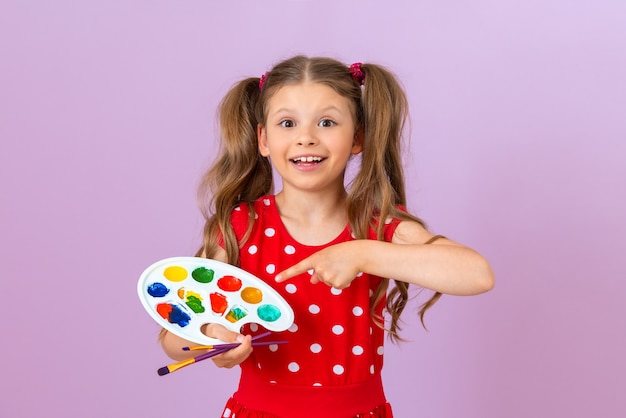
x=222 y=333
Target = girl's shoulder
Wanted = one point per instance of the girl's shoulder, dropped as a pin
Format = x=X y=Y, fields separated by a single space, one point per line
x=390 y=225
x=262 y=204
x=241 y=215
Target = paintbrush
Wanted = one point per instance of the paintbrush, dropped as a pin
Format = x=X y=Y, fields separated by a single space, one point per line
x=224 y=347
x=229 y=346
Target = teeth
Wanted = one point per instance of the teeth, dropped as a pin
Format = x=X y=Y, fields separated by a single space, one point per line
x=308 y=159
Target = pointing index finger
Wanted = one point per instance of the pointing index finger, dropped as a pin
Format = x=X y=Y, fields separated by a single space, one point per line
x=292 y=271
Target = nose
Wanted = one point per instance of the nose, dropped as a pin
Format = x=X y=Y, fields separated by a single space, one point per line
x=307 y=137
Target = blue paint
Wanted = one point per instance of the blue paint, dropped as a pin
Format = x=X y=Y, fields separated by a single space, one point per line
x=178 y=316
x=158 y=290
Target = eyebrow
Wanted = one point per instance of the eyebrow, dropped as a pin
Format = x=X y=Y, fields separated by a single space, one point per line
x=326 y=109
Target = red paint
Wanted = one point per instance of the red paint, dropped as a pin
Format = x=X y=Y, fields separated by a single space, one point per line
x=229 y=283
x=164 y=310
x=219 y=304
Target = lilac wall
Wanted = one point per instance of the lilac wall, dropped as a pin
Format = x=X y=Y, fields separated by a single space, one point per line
x=519 y=136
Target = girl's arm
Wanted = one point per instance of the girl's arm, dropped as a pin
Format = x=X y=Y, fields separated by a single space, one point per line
x=173 y=344
x=443 y=266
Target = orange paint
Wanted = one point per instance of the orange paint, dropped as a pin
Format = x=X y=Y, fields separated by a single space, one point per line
x=252 y=295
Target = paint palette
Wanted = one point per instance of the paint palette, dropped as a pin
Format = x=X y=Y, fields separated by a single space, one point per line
x=184 y=293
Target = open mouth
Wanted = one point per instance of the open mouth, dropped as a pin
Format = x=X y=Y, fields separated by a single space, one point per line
x=307 y=160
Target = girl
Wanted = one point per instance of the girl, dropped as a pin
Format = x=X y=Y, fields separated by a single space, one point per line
x=327 y=250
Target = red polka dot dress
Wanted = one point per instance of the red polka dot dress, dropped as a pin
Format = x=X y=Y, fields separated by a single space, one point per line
x=330 y=367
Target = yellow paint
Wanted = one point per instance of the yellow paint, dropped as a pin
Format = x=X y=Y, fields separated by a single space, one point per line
x=192 y=293
x=252 y=295
x=175 y=273
x=184 y=293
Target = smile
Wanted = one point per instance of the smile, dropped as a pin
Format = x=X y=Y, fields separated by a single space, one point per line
x=307 y=160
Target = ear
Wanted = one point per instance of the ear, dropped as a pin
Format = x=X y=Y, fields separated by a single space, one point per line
x=357 y=145
x=261 y=134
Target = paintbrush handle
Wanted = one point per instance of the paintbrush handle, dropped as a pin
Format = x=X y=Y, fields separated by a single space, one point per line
x=229 y=346
x=171 y=368
x=210 y=347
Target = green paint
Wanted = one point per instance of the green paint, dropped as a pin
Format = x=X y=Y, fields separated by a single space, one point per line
x=195 y=304
x=236 y=314
x=203 y=275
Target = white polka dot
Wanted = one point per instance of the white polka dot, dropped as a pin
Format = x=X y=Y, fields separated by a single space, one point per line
x=314 y=309
x=371 y=293
x=254 y=327
x=310 y=272
x=315 y=348
x=388 y=221
x=352 y=235
x=335 y=291
x=357 y=311
x=273 y=382
x=380 y=350
x=338 y=369
x=270 y=268
x=270 y=232
x=256 y=216
x=291 y=288
x=293 y=367
x=266 y=202
x=290 y=249
x=337 y=329
x=238 y=208
x=293 y=328
x=359 y=274
x=226 y=413
x=258 y=365
x=357 y=350
x=273 y=347
x=253 y=249
x=317 y=384
x=372 y=370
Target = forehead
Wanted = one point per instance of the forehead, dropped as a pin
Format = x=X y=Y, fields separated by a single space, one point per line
x=308 y=94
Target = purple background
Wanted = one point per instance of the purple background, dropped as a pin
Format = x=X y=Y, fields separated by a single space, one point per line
x=518 y=149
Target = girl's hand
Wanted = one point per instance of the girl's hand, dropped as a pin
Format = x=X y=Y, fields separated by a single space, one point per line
x=336 y=265
x=234 y=356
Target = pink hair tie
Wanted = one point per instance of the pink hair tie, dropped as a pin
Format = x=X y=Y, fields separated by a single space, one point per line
x=262 y=81
x=357 y=74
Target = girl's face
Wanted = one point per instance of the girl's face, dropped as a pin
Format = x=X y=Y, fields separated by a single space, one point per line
x=309 y=135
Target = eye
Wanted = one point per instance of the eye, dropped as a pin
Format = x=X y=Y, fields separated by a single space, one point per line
x=326 y=123
x=287 y=123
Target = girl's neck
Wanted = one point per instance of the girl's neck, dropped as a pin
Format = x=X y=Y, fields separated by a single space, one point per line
x=312 y=218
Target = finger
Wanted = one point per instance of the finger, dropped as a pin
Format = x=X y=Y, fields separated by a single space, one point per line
x=235 y=356
x=294 y=270
x=241 y=351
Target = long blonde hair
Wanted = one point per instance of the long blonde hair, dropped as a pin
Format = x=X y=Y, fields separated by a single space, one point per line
x=240 y=175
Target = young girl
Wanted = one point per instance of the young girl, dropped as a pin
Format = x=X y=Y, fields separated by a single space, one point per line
x=327 y=250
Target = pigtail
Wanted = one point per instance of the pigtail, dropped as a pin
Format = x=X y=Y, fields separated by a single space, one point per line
x=239 y=173
x=379 y=186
